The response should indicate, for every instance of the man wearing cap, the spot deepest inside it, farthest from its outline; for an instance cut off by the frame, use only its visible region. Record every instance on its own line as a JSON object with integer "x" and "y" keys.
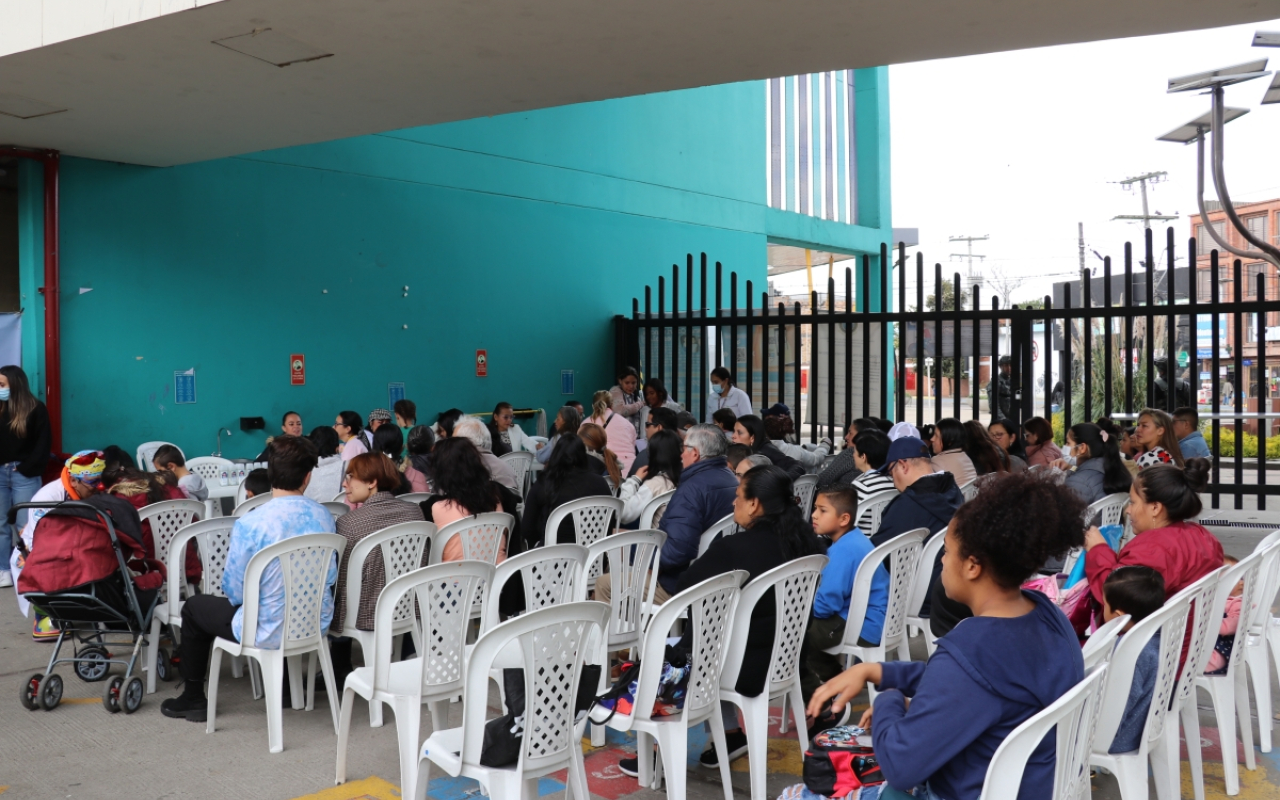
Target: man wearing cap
{"x": 928, "y": 500}
{"x": 1000, "y": 391}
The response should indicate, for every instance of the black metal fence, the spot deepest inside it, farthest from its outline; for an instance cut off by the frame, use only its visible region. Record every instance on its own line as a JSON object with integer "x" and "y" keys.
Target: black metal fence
{"x": 867, "y": 357}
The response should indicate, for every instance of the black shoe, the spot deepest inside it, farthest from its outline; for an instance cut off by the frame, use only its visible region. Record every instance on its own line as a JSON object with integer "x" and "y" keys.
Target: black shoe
{"x": 737, "y": 742}
{"x": 629, "y": 766}
{"x": 182, "y": 707}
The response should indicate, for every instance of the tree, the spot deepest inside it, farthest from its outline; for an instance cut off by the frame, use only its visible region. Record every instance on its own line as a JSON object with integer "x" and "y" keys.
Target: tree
{"x": 1003, "y": 285}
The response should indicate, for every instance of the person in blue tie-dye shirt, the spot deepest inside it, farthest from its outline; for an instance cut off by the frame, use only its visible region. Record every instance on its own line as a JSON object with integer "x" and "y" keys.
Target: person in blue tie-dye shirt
{"x": 205, "y": 617}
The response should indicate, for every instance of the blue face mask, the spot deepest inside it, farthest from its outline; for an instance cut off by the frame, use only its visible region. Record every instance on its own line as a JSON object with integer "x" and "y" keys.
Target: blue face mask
{"x": 4, "y": 394}
{"x": 718, "y": 388}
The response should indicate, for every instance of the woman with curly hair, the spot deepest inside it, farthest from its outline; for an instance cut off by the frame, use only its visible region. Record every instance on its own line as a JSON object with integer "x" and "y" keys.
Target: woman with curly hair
{"x": 1014, "y": 657}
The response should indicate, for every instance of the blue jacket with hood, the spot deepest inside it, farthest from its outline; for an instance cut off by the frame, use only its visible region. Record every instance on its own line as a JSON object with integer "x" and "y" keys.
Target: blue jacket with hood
{"x": 988, "y": 676}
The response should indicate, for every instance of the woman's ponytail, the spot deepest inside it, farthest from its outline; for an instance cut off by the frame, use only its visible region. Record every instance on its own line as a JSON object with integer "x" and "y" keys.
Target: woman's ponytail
{"x": 774, "y": 490}
{"x": 1176, "y": 488}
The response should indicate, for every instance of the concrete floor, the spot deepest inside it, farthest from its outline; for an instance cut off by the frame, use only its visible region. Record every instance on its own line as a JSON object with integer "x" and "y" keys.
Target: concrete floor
{"x": 80, "y": 751}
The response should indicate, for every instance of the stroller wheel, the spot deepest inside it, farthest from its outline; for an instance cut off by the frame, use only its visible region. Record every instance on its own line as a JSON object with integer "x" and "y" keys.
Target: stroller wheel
{"x": 92, "y": 664}
{"x": 164, "y": 664}
{"x": 30, "y": 696}
{"x": 111, "y": 697}
{"x": 50, "y": 692}
{"x": 131, "y": 700}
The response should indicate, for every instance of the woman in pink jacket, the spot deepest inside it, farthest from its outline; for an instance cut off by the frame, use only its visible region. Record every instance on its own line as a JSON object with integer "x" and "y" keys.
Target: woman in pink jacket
{"x": 621, "y": 435}
{"x": 1037, "y": 433}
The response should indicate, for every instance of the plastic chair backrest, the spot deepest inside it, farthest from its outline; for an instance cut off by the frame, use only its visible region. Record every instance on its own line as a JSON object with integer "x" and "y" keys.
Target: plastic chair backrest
{"x": 655, "y": 506}
{"x": 1170, "y": 622}
{"x": 1074, "y": 717}
{"x": 250, "y": 504}
{"x": 924, "y": 571}
{"x": 340, "y": 497}
{"x": 553, "y": 642}
{"x": 724, "y": 526}
{"x": 304, "y": 563}
{"x": 593, "y": 519}
{"x": 805, "y": 486}
{"x": 241, "y": 494}
{"x": 521, "y": 463}
{"x": 213, "y": 537}
{"x": 336, "y": 509}
{"x": 209, "y": 468}
{"x": 167, "y": 518}
{"x": 1109, "y": 510}
{"x": 444, "y": 594}
{"x": 793, "y": 585}
{"x": 903, "y": 554}
{"x": 414, "y": 497}
{"x": 875, "y": 506}
{"x": 1248, "y": 571}
{"x": 1269, "y": 581}
{"x": 402, "y": 547}
{"x": 481, "y": 536}
{"x": 710, "y": 605}
{"x": 1204, "y": 630}
{"x": 633, "y": 557}
{"x": 1099, "y": 646}
{"x": 551, "y": 575}
{"x": 613, "y": 487}
{"x": 970, "y": 490}
{"x": 147, "y": 451}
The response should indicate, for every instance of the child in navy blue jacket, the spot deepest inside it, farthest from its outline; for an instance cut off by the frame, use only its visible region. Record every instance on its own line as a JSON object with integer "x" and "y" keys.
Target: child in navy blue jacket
{"x": 1015, "y": 656}
{"x": 1139, "y": 592}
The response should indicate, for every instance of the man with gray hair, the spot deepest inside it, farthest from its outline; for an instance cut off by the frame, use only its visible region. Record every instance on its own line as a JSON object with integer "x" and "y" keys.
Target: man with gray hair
{"x": 478, "y": 433}
{"x": 704, "y": 497}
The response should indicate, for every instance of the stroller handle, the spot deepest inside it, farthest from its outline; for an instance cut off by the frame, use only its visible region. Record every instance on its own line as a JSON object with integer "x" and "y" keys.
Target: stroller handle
{"x": 14, "y": 509}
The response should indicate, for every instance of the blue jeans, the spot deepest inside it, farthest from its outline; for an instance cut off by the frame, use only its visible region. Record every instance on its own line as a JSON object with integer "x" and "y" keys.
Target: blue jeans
{"x": 14, "y": 488}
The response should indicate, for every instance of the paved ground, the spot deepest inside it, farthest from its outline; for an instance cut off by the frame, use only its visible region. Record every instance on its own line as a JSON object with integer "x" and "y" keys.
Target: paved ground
{"x": 80, "y": 751}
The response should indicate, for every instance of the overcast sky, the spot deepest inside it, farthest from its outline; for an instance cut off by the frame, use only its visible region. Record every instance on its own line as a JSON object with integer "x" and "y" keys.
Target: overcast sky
{"x": 1022, "y": 146}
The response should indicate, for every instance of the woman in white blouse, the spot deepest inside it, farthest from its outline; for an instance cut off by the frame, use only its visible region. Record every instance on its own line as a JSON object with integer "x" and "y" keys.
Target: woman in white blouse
{"x": 662, "y": 474}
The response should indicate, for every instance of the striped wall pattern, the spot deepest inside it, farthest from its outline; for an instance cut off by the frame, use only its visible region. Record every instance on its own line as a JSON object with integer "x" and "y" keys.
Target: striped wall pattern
{"x": 812, "y": 145}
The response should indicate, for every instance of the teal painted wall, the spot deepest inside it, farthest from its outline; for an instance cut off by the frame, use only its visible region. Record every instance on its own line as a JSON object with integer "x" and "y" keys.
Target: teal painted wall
{"x": 522, "y": 235}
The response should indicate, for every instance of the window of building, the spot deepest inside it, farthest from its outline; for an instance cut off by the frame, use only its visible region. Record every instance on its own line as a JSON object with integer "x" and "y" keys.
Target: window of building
{"x": 1204, "y": 286}
{"x": 1250, "y": 323}
{"x": 1257, "y": 226}
{"x": 1205, "y": 243}
{"x": 1251, "y": 273}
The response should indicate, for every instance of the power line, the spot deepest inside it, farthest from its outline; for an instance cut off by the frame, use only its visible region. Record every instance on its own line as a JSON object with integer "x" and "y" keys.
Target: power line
{"x": 972, "y": 277}
{"x": 1142, "y": 180}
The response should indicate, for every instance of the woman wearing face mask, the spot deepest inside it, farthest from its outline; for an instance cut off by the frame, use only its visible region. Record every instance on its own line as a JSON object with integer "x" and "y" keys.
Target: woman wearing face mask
{"x": 24, "y": 451}
{"x": 726, "y": 394}
{"x": 1099, "y": 470}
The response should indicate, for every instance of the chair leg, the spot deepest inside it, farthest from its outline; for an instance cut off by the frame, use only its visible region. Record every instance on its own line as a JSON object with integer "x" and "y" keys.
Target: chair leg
{"x": 673, "y": 754}
{"x": 1131, "y": 775}
{"x": 439, "y": 714}
{"x": 782, "y": 717}
{"x": 797, "y": 708}
{"x": 344, "y": 732}
{"x": 1189, "y": 716}
{"x": 273, "y": 669}
{"x": 408, "y": 723}
{"x": 1164, "y": 762}
{"x": 1241, "y": 690}
{"x": 215, "y": 663}
{"x": 330, "y": 689}
{"x": 311, "y": 680}
{"x": 420, "y": 784}
{"x": 1224, "y": 708}
{"x": 1258, "y": 660}
{"x": 576, "y": 779}
{"x": 680, "y": 758}
{"x": 293, "y": 667}
{"x": 755, "y": 722}
{"x": 237, "y": 667}
{"x": 644, "y": 759}
{"x": 153, "y": 646}
{"x": 255, "y": 678}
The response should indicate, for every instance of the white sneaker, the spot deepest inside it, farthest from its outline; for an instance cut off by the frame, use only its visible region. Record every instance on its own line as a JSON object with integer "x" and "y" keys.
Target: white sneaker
{"x": 6, "y": 580}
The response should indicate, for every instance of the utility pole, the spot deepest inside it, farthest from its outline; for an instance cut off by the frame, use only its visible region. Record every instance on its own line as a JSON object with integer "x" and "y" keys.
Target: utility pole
{"x": 972, "y": 277}
{"x": 1142, "y": 181}
{"x": 1080, "y": 228}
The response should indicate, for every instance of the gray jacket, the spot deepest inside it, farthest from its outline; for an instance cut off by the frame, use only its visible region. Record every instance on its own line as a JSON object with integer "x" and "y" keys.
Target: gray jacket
{"x": 1086, "y": 481}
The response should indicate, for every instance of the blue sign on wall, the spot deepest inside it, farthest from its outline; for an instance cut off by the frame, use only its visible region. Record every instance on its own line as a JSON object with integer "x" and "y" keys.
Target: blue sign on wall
{"x": 184, "y": 387}
{"x": 395, "y": 391}
{"x": 566, "y": 381}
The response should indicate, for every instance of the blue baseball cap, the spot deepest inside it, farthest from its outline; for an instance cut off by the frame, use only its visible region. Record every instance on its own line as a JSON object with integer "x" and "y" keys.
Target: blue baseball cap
{"x": 904, "y": 448}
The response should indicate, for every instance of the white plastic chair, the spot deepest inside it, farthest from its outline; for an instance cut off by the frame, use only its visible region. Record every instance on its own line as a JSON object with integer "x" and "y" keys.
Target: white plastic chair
{"x": 551, "y": 576}
{"x": 649, "y": 515}
{"x": 304, "y": 563}
{"x": 613, "y": 487}
{"x": 212, "y": 537}
{"x": 210, "y": 468}
{"x": 1229, "y": 693}
{"x": 633, "y": 572}
{"x": 401, "y": 548}
{"x": 805, "y": 486}
{"x": 414, "y": 497}
{"x": 1264, "y": 630}
{"x": 242, "y": 494}
{"x": 970, "y": 490}
{"x": 336, "y": 509}
{"x": 920, "y": 591}
{"x": 340, "y": 497}
{"x": 552, "y": 642}
{"x": 146, "y": 452}
{"x": 521, "y": 463}
{"x": 1108, "y": 511}
{"x": 1073, "y": 717}
{"x": 1130, "y": 768}
{"x": 167, "y": 518}
{"x": 593, "y": 519}
{"x": 1100, "y": 644}
{"x": 873, "y": 509}
{"x": 793, "y": 585}
{"x": 250, "y": 504}
{"x": 445, "y": 594}
{"x": 1203, "y": 623}
{"x": 481, "y": 537}
{"x": 724, "y": 527}
{"x": 710, "y": 606}
{"x": 903, "y": 554}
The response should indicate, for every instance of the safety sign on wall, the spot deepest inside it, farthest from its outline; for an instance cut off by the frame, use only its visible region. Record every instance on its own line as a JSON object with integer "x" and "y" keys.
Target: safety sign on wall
{"x": 184, "y": 387}
{"x": 482, "y": 364}
{"x": 297, "y": 369}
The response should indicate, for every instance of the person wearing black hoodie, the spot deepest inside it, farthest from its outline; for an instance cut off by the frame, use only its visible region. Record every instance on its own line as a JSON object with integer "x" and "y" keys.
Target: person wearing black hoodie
{"x": 1011, "y": 660}
{"x": 928, "y": 500}
{"x": 750, "y": 430}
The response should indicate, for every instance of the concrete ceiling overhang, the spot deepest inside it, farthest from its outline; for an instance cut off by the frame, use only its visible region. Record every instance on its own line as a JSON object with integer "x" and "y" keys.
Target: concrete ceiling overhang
{"x": 159, "y": 92}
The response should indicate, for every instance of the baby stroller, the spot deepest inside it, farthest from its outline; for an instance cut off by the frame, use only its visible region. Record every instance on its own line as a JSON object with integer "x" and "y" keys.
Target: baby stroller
{"x": 78, "y": 572}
